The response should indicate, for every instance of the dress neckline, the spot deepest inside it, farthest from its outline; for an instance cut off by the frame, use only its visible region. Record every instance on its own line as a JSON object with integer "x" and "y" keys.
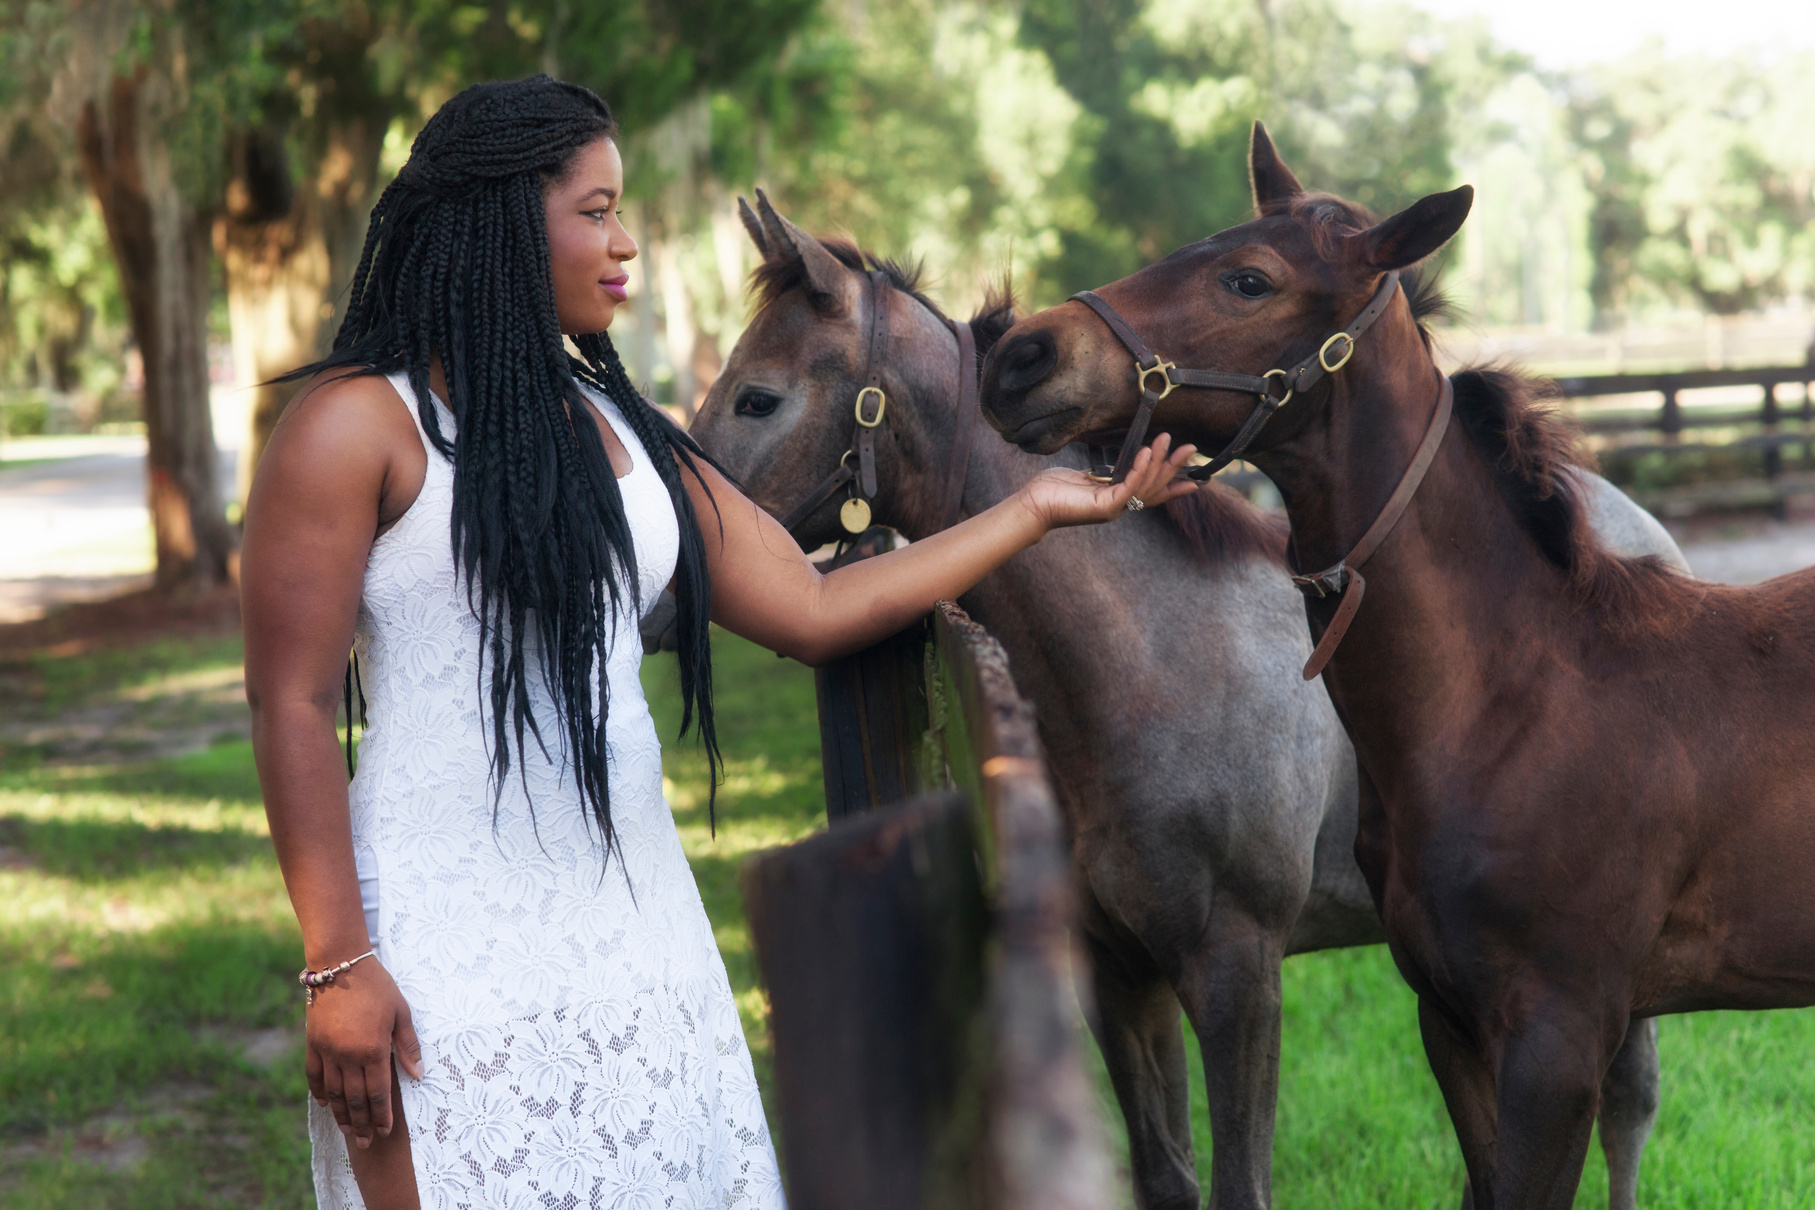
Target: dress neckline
{"x": 636, "y": 464}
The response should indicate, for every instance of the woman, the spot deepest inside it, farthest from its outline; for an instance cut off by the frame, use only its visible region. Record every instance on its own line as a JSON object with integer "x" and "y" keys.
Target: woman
{"x": 500, "y": 896}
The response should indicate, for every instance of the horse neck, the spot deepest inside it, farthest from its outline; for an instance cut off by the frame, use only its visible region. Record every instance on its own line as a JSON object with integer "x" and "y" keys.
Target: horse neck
{"x": 1456, "y": 590}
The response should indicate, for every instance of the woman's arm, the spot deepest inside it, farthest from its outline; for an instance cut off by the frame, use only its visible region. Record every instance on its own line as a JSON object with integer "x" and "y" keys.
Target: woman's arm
{"x": 764, "y": 589}
{"x": 316, "y": 504}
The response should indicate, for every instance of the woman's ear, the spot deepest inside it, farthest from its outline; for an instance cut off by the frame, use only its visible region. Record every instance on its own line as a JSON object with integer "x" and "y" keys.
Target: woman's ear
{"x": 1415, "y": 232}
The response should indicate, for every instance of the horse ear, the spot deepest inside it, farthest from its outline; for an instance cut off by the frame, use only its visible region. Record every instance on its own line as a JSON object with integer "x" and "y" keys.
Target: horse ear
{"x": 1267, "y": 173}
{"x": 825, "y": 274}
{"x": 753, "y": 225}
{"x": 1415, "y": 232}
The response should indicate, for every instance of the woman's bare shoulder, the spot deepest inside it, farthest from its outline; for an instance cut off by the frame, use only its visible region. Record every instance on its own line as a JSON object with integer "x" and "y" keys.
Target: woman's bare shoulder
{"x": 347, "y": 403}
{"x": 345, "y": 430}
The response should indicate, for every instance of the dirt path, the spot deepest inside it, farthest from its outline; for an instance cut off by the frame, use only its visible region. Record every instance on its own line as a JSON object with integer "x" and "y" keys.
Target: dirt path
{"x": 73, "y": 522}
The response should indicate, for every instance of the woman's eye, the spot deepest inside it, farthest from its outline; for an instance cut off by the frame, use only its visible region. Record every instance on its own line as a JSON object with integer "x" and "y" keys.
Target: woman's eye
{"x": 1249, "y": 285}
{"x": 757, "y": 403}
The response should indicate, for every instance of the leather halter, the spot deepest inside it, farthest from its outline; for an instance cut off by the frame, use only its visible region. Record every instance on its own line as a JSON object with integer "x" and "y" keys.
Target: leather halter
{"x": 1344, "y": 576}
{"x": 1300, "y": 378}
{"x": 863, "y": 440}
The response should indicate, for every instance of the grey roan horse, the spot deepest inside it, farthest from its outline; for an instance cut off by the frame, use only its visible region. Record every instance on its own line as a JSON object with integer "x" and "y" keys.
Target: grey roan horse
{"x": 1210, "y": 792}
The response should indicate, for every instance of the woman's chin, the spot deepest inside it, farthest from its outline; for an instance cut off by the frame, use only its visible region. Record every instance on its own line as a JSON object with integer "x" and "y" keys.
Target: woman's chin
{"x": 595, "y": 320}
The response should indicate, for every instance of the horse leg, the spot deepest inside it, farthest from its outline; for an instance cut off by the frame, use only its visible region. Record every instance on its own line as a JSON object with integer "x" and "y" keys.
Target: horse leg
{"x": 1466, "y": 1080}
{"x": 1549, "y": 1087}
{"x": 1629, "y": 1101}
{"x": 1230, "y": 990}
{"x": 1137, "y": 1027}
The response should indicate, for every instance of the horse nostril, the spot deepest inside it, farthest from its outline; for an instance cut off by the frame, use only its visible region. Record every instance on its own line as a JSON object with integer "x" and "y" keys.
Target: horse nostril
{"x": 1026, "y": 361}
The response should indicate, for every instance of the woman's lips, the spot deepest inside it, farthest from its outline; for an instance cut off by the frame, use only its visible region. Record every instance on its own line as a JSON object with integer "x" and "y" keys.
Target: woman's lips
{"x": 618, "y": 287}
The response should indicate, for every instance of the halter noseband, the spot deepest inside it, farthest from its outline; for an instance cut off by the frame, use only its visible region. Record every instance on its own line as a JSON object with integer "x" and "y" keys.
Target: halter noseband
{"x": 870, "y": 407}
{"x": 1287, "y": 383}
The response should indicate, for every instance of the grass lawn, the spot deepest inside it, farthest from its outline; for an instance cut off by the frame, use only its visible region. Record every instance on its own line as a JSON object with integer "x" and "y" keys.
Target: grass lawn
{"x": 149, "y": 1019}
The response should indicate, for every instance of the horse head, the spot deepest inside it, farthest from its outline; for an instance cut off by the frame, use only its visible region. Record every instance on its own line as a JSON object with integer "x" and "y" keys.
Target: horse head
{"x": 1252, "y": 299}
{"x": 781, "y": 416}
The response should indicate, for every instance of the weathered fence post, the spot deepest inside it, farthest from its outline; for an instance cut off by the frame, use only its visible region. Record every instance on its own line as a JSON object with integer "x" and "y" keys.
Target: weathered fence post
{"x": 871, "y": 937}
{"x": 920, "y": 969}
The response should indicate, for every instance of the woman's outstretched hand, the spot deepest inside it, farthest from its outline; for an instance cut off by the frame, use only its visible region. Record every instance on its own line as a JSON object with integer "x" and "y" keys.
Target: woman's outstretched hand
{"x": 1061, "y": 496}
{"x": 352, "y": 1028}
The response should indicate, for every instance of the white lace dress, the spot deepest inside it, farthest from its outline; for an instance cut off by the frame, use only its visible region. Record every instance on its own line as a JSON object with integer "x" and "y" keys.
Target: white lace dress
{"x": 581, "y": 1047}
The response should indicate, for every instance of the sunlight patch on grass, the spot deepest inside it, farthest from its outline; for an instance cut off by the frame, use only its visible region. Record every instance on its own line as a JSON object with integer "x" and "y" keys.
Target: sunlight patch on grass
{"x": 43, "y": 914}
{"x": 224, "y": 681}
{"x": 150, "y": 811}
{"x": 112, "y": 674}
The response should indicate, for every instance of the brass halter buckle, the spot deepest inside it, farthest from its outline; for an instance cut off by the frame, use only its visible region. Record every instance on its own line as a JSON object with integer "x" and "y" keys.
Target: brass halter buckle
{"x": 1323, "y": 354}
{"x": 1164, "y": 370}
{"x": 882, "y": 403}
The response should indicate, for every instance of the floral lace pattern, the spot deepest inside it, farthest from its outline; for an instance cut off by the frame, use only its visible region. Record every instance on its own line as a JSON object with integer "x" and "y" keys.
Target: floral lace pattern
{"x": 581, "y": 1047}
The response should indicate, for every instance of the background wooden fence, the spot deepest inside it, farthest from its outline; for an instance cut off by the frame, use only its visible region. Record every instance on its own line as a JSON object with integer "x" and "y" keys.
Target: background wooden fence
{"x": 1678, "y": 434}
{"x": 918, "y": 954}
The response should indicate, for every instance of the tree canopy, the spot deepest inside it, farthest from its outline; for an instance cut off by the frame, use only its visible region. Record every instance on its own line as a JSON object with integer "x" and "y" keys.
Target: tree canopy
{"x": 1063, "y": 142}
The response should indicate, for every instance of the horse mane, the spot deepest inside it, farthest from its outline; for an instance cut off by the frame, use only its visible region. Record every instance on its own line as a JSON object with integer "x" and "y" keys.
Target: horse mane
{"x": 1220, "y": 525}
{"x": 1515, "y": 423}
{"x": 994, "y": 318}
{"x": 776, "y": 276}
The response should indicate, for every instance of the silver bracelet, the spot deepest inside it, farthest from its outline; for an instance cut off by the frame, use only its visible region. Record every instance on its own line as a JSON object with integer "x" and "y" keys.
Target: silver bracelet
{"x": 311, "y": 980}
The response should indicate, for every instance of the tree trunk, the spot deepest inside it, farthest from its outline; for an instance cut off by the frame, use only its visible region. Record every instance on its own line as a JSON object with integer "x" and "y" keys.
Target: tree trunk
{"x": 290, "y": 247}
{"x": 161, "y": 245}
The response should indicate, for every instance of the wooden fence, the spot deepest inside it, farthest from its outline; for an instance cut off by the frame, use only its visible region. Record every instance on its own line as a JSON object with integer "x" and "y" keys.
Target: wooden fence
{"x": 1768, "y": 426}
{"x": 918, "y": 954}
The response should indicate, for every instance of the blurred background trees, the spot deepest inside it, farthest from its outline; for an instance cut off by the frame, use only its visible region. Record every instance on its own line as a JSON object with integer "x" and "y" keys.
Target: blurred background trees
{"x": 181, "y": 174}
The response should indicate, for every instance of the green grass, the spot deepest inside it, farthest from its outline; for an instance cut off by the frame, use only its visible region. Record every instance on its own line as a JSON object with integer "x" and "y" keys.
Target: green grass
{"x": 144, "y": 930}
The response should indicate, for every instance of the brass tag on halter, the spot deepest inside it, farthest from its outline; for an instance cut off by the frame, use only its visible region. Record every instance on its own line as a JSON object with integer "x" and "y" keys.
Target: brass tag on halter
{"x": 854, "y": 515}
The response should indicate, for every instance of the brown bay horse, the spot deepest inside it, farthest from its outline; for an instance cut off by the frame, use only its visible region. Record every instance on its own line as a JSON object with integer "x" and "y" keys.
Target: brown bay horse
{"x": 1587, "y": 781}
{"x": 1208, "y": 790}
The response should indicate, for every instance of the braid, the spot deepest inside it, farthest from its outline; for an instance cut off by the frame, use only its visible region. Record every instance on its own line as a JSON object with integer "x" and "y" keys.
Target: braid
{"x": 456, "y": 265}
{"x": 671, "y": 449}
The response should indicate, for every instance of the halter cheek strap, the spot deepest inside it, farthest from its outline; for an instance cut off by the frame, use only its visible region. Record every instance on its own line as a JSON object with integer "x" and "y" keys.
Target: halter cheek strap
{"x": 871, "y": 405}
{"x": 1344, "y": 576}
{"x": 1158, "y": 378}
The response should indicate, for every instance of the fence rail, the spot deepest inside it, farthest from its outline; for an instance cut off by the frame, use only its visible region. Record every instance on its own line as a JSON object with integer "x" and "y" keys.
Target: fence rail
{"x": 1769, "y": 427}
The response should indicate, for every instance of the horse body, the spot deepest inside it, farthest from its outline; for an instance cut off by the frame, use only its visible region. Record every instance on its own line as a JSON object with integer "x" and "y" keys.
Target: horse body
{"x": 1208, "y": 791}
{"x": 1586, "y": 791}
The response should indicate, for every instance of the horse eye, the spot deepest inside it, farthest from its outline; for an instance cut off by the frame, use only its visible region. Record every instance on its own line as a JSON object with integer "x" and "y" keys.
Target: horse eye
{"x": 1248, "y": 285}
{"x": 757, "y": 403}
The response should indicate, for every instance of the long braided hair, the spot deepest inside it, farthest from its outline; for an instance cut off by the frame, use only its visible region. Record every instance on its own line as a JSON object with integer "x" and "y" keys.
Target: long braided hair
{"x": 456, "y": 264}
